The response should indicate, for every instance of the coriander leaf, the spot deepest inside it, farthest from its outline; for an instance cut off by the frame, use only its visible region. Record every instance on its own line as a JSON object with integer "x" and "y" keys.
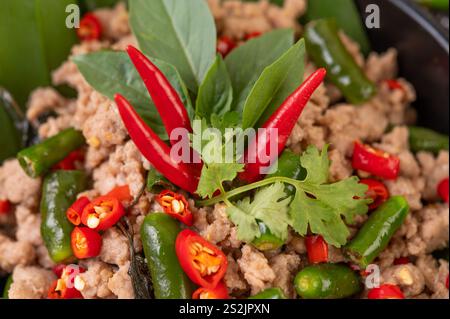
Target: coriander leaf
{"x": 269, "y": 205}
{"x": 247, "y": 227}
{"x": 321, "y": 206}
{"x": 228, "y": 120}
{"x": 214, "y": 175}
{"x": 215, "y": 93}
{"x": 182, "y": 33}
{"x": 275, "y": 84}
{"x": 246, "y": 63}
{"x": 316, "y": 165}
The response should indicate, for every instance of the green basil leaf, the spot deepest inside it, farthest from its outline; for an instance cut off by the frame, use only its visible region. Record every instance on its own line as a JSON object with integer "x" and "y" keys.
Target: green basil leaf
{"x": 35, "y": 41}
{"x": 182, "y": 33}
{"x": 11, "y": 125}
{"x": 346, "y": 15}
{"x": 246, "y": 63}
{"x": 274, "y": 85}
{"x": 113, "y": 72}
{"x": 215, "y": 94}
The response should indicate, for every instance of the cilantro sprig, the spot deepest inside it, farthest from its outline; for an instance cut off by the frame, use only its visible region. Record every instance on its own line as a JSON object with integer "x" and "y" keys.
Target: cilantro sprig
{"x": 317, "y": 206}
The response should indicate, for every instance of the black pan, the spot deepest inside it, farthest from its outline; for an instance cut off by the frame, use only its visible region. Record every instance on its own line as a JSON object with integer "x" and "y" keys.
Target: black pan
{"x": 423, "y": 55}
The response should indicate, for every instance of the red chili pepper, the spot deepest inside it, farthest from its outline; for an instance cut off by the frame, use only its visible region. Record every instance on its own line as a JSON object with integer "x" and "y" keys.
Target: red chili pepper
{"x": 401, "y": 261}
{"x": 122, "y": 193}
{"x": 386, "y": 291}
{"x": 283, "y": 119}
{"x": 375, "y": 162}
{"x": 219, "y": 292}
{"x": 176, "y": 206}
{"x": 377, "y": 191}
{"x": 86, "y": 243}
{"x": 103, "y": 213}
{"x": 317, "y": 249}
{"x": 58, "y": 270}
{"x": 155, "y": 150}
{"x": 252, "y": 35}
{"x": 75, "y": 211}
{"x": 394, "y": 85}
{"x": 5, "y": 207}
{"x": 166, "y": 99}
{"x": 443, "y": 190}
{"x": 225, "y": 45}
{"x": 203, "y": 262}
{"x": 69, "y": 163}
{"x": 90, "y": 28}
{"x": 63, "y": 288}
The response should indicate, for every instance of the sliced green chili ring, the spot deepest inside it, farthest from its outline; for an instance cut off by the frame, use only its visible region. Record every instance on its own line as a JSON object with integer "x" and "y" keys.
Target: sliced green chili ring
{"x": 8, "y": 284}
{"x": 288, "y": 165}
{"x": 327, "y": 50}
{"x": 377, "y": 231}
{"x": 59, "y": 191}
{"x": 158, "y": 233}
{"x": 424, "y": 139}
{"x": 267, "y": 240}
{"x": 270, "y": 293}
{"x": 327, "y": 281}
{"x": 40, "y": 158}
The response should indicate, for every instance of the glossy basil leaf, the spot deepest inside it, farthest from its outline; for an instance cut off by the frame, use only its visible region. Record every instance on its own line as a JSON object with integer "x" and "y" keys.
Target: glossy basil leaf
{"x": 11, "y": 124}
{"x": 346, "y": 15}
{"x": 275, "y": 84}
{"x": 215, "y": 93}
{"x": 246, "y": 63}
{"x": 183, "y": 33}
{"x": 35, "y": 41}
{"x": 113, "y": 72}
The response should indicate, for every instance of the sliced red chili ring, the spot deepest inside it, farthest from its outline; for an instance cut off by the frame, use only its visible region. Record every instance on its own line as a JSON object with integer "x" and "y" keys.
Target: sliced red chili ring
{"x": 69, "y": 163}
{"x": 225, "y": 45}
{"x": 204, "y": 263}
{"x": 386, "y": 291}
{"x": 63, "y": 288}
{"x": 375, "y": 162}
{"x": 85, "y": 242}
{"x": 103, "y": 213}
{"x": 443, "y": 190}
{"x": 252, "y": 35}
{"x": 377, "y": 191}
{"x": 402, "y": 261}
{"x": 5, "y": 207}
{"x": 74, "y": 212}
{"x": 394, "y": 85}
{"x": 122, "y": 193}
{"x": 90, "y": 28}
{"x": 317, "y": 249}
{"x": 219, "y": 292}
{"x": 176, "y": 206}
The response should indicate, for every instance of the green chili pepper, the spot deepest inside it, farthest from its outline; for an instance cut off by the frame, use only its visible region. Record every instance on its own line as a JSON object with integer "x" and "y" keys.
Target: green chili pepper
{"x": 327, "y": 50}
{"x": 11, "y": 124}
{"x": 8, "y": 284}
{"x": 270, "y": 293}
{"x": 435, "y": 4}
{"x": 327, "y": 281}
{"x": 424, "y": 139}
{"x": 59, "y": 191}
{"x": 288, "y": 165}
{"x": 40, "y": 158}
{"x": 267, "y": 240}
{"x": 156, "y": 182}
{"x": 346, "y": 15}
{"x": 158, "y": 233}
{"x": 377, "y": 231}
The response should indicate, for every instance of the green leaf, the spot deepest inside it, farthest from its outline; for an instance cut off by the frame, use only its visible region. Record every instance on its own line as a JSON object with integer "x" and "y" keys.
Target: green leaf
{"x": 321, "y": 206}
{"x": 11, "y": 119}
{"x": 269, "y": 205}
{"x": 214, "y": 175}
{"x": 246, "y": 63}
{"x": 316, "y": 165}
{"x": 247, "y": 227}
{"x": 346, "y": 15}
{"x": 275, "y": 84}
{"x": 35, "y": 41}
{"x": 215, "y": 93}
{"x": 227, "y": 121}
{"x": 182, "y": 33}
{"x": 112, "y": 72}
{"x": 156, "y": 181}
